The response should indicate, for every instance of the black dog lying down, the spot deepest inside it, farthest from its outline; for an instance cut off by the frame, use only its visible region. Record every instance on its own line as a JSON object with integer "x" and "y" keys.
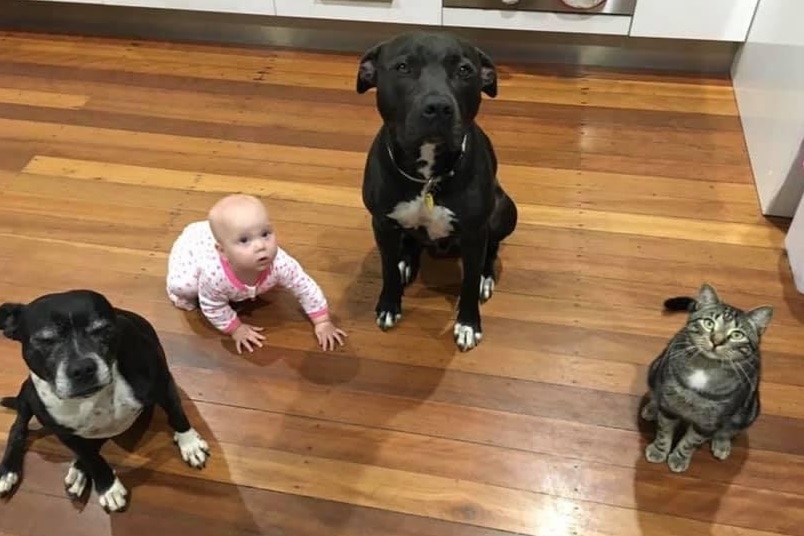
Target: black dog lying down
{"x": 93, "y": 370}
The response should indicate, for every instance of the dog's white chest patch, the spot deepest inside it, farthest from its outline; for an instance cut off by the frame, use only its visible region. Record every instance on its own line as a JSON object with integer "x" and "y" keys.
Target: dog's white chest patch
{"x": 427, "y": 157}
{"x": 698, "y": 379}
{"x": 415, "y": 213}
{"x": 108, "y": 413}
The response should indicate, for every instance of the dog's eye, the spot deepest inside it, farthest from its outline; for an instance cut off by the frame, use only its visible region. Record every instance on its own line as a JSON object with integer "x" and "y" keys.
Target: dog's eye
{"x": 45, "y": 339}
{"x": 402, "y": 67}
{"x": 464, "y": 70}
{"x": 99, "y": 329}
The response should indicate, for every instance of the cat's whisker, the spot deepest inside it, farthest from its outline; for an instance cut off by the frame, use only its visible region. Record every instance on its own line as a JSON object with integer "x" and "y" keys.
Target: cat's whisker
{"x": 741, "y": 369}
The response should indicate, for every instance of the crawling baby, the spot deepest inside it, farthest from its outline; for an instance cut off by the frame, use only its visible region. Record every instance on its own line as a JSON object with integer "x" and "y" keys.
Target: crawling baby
{"x": 233, "y": 256}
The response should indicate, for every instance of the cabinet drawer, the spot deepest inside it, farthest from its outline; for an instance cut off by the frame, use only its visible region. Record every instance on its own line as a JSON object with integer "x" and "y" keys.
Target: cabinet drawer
{"x": 249, "y": 7}
{"x": 400, "y": 11}
{"x": 539, "y": 21}
{"x": 714, "y": 20}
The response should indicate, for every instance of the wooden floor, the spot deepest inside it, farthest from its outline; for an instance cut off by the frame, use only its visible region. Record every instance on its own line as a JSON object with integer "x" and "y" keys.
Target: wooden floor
{"x": 631, "y": 188}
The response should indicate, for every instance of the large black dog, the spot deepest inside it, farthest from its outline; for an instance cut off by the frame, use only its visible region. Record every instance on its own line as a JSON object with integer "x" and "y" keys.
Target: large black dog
{"x": 93, "y": 370}
{"x": 431, "y": 174}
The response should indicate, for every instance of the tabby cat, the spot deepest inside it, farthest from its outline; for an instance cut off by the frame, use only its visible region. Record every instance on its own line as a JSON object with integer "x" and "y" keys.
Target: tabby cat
{"x": 706, "y": 378}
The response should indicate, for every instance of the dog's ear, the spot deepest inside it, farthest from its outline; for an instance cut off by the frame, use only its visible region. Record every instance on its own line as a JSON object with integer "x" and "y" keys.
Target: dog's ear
{"x": 10, "y": 314}
{"x": 488, "y": 74}
{"x": 367, "y": 71}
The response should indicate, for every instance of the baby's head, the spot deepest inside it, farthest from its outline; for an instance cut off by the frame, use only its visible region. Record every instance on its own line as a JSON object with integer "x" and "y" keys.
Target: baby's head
{"x": 243, "y": 232}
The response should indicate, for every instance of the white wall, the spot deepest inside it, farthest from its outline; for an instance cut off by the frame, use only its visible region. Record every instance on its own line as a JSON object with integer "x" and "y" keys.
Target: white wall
{"x": 769, "y": 86}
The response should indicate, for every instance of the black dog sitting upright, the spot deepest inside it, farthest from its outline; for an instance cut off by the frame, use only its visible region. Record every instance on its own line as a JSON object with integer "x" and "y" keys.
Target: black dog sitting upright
{"x": 93, "y": 370}
{"x": 431, "y": 174}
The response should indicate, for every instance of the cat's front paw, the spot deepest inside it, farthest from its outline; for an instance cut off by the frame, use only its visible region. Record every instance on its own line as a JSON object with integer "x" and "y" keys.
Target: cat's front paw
{"x": 677, "y": 462}
{"x": 655, "y": 454}
{"x": 721, "y": 448}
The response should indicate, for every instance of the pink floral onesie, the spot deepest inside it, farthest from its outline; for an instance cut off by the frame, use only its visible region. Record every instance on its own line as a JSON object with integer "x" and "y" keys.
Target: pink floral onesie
{"x": 197, "y": 273}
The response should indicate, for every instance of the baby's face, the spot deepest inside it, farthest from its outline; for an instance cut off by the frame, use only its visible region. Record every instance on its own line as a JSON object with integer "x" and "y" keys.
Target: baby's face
{"x": 247, "y": 239}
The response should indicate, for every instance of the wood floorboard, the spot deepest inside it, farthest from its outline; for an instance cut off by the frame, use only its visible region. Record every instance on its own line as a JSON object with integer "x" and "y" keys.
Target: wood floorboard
{"x": 632, "y": 187}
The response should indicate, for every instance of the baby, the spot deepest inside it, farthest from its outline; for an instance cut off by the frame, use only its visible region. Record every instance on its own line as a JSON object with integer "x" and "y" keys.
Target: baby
{"x": 233, "y": 256}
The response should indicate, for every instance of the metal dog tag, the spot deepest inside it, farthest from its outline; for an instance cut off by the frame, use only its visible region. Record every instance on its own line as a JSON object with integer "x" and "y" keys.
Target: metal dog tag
{"x": 428, "y": 199}
{"x": 428, "y": 196}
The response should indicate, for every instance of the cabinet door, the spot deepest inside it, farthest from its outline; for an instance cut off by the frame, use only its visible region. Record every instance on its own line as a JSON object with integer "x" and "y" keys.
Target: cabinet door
{"x": 714, "y": 20}
{"x": 401, "y": 11}
{"x": 251, "y": 7}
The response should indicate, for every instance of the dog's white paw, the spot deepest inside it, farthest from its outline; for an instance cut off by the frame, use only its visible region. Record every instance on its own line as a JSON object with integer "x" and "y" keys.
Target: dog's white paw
{"x": 75, "y": 481}
{"x": 114, "y": 498}
{"x": 404, "y": 272}
{"x": 466, "y": 337}
{"x": 387, "y": 320}
{"x": 194, "y": 450}
{"x": 486, "y": 288}
{"x": 7, "y": 482}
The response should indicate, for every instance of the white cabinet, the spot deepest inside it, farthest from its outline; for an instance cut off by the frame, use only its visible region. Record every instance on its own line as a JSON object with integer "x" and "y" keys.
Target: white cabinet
{"x": 715, "y": 20}
{"x": 427, "y": 12}
{"x": 794, "y": 244}
{"x": 540, "y": 21}
{"x": 249, "y": 7}
{"x": 768, "y": 78}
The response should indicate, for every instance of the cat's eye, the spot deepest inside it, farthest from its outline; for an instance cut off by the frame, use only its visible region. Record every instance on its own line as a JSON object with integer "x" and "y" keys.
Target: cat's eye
{"x": 708, "y": 323}
{"x": 737, "y": 335}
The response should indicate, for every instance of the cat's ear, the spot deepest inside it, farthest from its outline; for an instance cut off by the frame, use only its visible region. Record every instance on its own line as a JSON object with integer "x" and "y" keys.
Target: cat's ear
{"x": 707, "y": 295}
{"x": 760, "y": 317}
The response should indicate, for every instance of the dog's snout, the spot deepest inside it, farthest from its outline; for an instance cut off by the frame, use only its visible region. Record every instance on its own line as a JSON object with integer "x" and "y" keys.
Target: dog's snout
{"x": 82, "y": 370}
{"x": 437, "y": 107}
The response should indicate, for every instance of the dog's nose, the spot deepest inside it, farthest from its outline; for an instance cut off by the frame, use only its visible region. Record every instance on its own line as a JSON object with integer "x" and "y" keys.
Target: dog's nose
{"x": 82, "y": 370}
{"x": 437, "y": 107}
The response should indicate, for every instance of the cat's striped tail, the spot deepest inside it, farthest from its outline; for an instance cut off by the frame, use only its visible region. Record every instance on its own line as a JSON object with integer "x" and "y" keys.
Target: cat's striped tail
{"x": 679, "y": 303}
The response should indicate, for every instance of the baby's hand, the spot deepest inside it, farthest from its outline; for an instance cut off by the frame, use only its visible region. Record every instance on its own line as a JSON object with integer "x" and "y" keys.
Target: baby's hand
{"x": 247, "y": 335}
{"x": 328, "y": 334}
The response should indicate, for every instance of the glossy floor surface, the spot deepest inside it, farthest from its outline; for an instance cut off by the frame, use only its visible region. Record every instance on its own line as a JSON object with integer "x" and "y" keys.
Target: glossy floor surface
{"x": 631, "y": 188}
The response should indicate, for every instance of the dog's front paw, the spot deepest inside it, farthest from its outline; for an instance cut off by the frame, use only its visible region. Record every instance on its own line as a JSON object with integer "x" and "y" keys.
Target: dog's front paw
{"x": 114, "y": 498}
{"x": 388, "y": 319}
{"x": 466, "y": 336}
{"x": 8, "y": 480}
{"x": 388, "y": 313}
{"x": 486, "y": 288}
{"x": 75, "y": 482}
{"x": 194, "y": 450}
